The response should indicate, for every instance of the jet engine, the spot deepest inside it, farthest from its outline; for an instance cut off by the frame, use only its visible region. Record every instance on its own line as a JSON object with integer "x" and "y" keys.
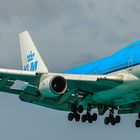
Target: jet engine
{"x": 53, "y": 86}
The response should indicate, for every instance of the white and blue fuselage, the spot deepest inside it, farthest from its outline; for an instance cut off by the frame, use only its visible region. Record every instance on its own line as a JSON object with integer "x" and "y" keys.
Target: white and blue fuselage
{"x": 127, "y": 58}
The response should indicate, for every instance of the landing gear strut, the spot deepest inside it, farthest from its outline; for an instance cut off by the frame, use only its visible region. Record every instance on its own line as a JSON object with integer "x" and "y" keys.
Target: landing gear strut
{"x": 80, "y": 109}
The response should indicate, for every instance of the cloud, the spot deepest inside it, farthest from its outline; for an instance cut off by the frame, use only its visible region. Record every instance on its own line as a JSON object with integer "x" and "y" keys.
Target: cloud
{"x": 75, "y": 28}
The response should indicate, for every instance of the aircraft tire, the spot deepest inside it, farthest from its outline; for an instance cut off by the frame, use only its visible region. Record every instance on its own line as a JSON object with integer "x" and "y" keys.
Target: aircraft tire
{"x": 111, "y": 118}
{"x": 90, "y": 119}
{"x": 70, "y": 116}
{"x": 106, "y": 120}
{"x": 113, "y": 122}
{"x": 94, "y": 115}
{"x": 117, "y": 119}
{"x": 137, "y": 124}
{"x": 83, "y": 118}
{"x": 87, "y": 116}
{"x": 77, "y": 117}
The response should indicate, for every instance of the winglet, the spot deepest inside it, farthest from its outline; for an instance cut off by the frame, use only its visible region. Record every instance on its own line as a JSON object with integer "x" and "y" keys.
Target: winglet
{"x": 31, "y": 59}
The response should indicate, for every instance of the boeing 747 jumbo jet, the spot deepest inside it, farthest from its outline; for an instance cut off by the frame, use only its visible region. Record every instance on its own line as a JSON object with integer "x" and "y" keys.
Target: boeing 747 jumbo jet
{"x": 110, "y": 84}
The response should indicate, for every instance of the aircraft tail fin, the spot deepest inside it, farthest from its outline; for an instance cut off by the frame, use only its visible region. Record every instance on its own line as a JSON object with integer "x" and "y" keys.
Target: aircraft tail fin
{"x": 31, "y": 59}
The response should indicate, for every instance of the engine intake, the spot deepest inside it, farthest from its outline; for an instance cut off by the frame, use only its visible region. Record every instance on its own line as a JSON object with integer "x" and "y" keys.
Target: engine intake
{"x": 58, "y": 84}
{"x": 52, "y": 86}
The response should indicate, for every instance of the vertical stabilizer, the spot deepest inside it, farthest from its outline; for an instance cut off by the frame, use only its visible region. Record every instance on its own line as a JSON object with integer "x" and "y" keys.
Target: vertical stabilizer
{"x": 31, "y": 59}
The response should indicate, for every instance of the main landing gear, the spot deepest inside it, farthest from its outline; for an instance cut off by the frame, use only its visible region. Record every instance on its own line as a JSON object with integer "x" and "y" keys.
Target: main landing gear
{"x": 76, "y": 111}
{"x": 89, "y": 117}
{"x": 111, "y": 119}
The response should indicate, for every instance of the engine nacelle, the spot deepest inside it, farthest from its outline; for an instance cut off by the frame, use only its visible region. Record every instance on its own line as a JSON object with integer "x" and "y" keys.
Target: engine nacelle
{"x": 53, "y": 86}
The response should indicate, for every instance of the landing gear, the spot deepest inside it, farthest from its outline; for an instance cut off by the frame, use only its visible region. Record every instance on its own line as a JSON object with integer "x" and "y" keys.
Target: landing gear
{"x": 73, "y": 108}
{"x": 111, "y": 119}
{"x": 89, "y": 117}
{"x": 106, "y": 120}
{"x": 70, "y": 116}
{"x": 137, "y": 123}
{"x": 83, "y": 118}
{"x": 77, "y": 110}
{"x": 74, "y": 113}
{"x": 117, "y": 119}
{"x": 80, "y": 109}
{"x": 77, "y": 117}
{"x": 94, "y": 115}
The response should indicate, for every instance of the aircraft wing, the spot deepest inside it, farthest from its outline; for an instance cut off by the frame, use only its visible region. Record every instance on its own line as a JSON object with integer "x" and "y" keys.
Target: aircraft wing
{"x": 8, "y": 75}
{"x": 8, "y": 78}
{"x": 84, "y": 84}
{"x": 92, "y": 83}
{"x": 79, "y": 87}
{"x": 87, "y": 83}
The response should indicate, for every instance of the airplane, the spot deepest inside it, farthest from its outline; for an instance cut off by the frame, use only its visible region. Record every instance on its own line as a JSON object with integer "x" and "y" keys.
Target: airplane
{"x": 110, "y": 84}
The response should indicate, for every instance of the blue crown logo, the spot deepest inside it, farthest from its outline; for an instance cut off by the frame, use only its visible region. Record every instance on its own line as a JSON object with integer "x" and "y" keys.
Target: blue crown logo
{"x": 30, "y": 56}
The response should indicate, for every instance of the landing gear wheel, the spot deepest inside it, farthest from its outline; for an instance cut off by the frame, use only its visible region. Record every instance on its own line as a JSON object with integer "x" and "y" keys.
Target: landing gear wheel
{"x": 77, "y": 117}
{"x": 80, "y": 109}
{"x": 111, "y": 118}
{"x": 73, "y": 108}
{"x": 90, "y": 119}
{"x": 87, "y": 116}
{"x": 137, "y": 124}
{"x": 113, "y": 122}
{"x": 117, "y": 119}
{"x": 83, "y": 119}
{"x": 70, "y": 116}
{"x": 94, "y": 116}
{"x": 106, "y": 120}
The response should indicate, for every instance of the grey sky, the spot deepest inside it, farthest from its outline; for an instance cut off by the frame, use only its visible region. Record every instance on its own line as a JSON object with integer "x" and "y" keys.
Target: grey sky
{"x": 67, "y": 33}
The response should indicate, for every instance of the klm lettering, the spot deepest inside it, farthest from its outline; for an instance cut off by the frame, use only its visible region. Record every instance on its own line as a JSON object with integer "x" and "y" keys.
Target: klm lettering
{"x": 32, "y": 66}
